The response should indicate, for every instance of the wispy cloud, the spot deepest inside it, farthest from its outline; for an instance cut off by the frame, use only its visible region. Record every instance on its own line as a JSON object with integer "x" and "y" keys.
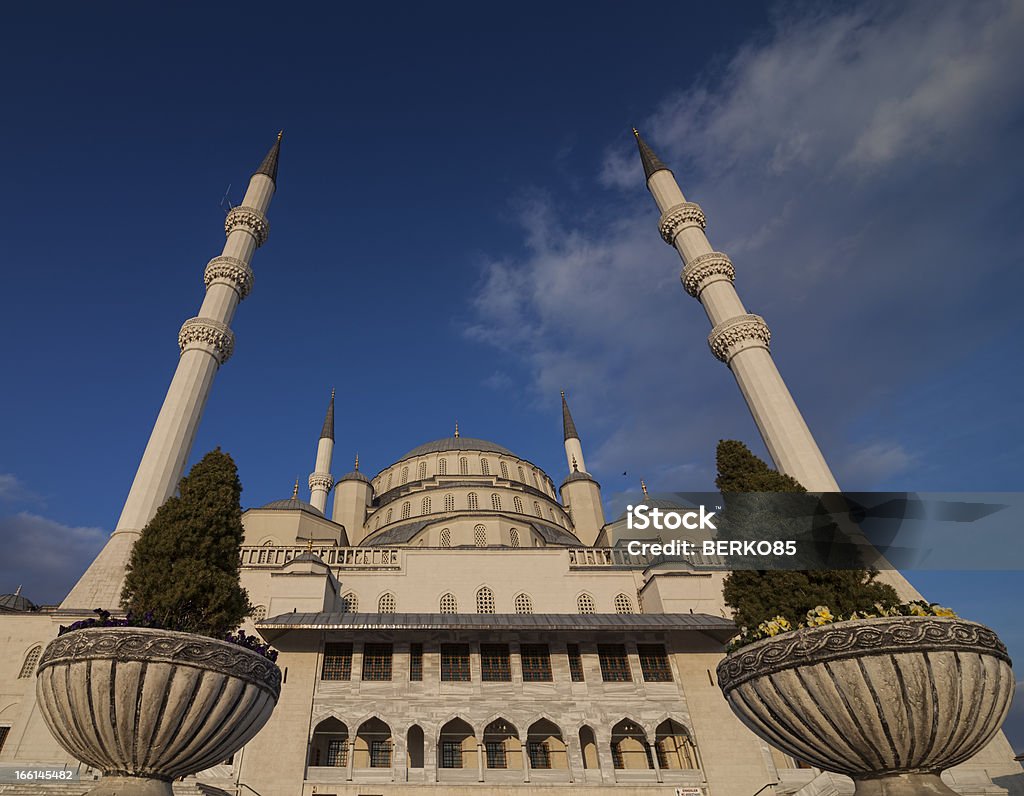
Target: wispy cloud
{"x": 832, "y": 158}
{"x": 14, "y": 490}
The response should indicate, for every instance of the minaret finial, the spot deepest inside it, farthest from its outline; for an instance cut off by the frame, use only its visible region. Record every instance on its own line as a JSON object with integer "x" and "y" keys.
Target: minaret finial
{"x": 456, "y": 429}
{"x": 17, "y": 592}
{"x": 269, "y": 164}
{"x": 643, "y": 486}
{"x": 328, "y": 429}
{"x": 575, "y": 465}
{"x": 652, "y": 162}
{"x": 357, "y": 462}
{"x": 295, "y": 491}
{"x": 568, "y": 427}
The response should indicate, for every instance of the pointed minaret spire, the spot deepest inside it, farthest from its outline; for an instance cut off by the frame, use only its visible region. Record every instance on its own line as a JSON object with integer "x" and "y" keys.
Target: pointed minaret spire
{"x": 568, "y": 427}
{"x": 295, "y": 491}
{"x": 652, "y": 162}
{"x": 328, "y": 429}
{"x": 643, "y": 487}
{"x": 456, "y": 429}
{"x": 321, "y": 480}
{"x": 356, "y": 468}
{"x": 269, "y": 164}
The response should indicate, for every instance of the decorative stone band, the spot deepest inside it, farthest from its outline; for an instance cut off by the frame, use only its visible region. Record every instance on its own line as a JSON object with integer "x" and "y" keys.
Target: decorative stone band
{"x": 322, "y": 481}
{"x": 147, "y": 645}
{"x": 209, "y": 335}
{"x": 677, "y": 218}
{"x": 730, "y": 337}
{"x": 845, "y": 640}
{"x": 231, "y": 271}
{"x": 251, "y": 219}
{"x": 702, "y": 271}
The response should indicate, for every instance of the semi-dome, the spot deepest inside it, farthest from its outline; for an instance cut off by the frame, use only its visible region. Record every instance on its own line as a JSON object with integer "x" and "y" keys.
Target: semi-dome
{"x": 458, "y": 444}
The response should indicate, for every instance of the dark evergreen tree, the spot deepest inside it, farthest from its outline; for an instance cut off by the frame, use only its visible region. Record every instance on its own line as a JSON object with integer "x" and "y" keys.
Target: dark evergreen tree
{"x": 184, "y": 568}
{"x": 759, "y": 595}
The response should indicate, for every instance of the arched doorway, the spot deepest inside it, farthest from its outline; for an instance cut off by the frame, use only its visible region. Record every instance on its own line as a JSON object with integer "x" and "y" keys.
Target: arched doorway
{"x": 414, "y": 746}
{"x": 329, "y": 746}
{"x": 588, "y": 748}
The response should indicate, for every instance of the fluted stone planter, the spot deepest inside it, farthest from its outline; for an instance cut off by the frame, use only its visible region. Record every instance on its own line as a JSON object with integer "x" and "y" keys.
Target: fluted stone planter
{"x": 148, "y": 706}
{"x": 889, "y": 702}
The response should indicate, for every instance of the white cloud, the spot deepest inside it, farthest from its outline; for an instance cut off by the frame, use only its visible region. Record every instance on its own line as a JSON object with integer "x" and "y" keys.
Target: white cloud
{"x": 849, "y": 165}
{"x": 44, "y": 556}
{"x": 13, "y": 490}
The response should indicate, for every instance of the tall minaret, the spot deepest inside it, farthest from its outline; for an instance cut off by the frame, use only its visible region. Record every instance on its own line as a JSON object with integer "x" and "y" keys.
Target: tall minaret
{"x": 581, "y": 494}
{"x": 206, "y": 343}
{"x": 737, "y": 338}
{"x": 321, "y": 480}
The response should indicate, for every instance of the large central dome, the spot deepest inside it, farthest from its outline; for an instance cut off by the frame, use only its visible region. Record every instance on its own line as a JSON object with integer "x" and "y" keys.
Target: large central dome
{"x": 458, "y": 444}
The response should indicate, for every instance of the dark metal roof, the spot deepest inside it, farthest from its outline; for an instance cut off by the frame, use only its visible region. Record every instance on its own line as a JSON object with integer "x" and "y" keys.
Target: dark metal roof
{"x": 652, "y": 162}
{"x": 355, "y": 475}
{"x": 292, "y": 504}
{"x": 400, "y": 534}
{"x": 15, "y": 602}
{"x": 458, "y": 444}
{"x": 568, "y": 427}
{"x": 578, "y": 476}
{"x": 328, "y": 430}
{"x": 554, "y": 535}
{"x": 718, "y": 626}
{"x": 269, "y": 164}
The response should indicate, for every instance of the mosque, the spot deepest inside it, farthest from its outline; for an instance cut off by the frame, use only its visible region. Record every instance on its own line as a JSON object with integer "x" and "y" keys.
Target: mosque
{"x": 457, "y": 623}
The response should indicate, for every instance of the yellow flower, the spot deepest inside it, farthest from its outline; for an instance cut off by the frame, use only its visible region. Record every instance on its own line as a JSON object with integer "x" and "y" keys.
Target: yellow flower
{"x": 918, "y": 610}
{"x": 939, "y": 610}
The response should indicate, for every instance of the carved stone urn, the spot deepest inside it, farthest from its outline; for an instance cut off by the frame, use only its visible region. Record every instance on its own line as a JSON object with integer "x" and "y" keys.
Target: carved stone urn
{"x": 890, "y": 702}
{"x": 148, "y": 706}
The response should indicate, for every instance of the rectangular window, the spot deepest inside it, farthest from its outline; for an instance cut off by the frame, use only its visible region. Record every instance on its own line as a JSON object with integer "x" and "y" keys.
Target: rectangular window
{"x": 337, "y": 752}
{"x": 337, "y": 662}
{"x": 575, "y": 663}
{"x": 376, "y": 661}
{"x": 617, "y": 761}
{"x": 496, "y": 754}
{"x": 415, "y": 661}
{"x": 540, "y": 757}
{"x": 495, "y": 665}
{"x": 536, "y": 661}
{"x": 380, "y": 754}
{"x": 614, "y": 663}
{"x": 451, "y": 754}
{"x": 455, "y": 662}
{"x": 654, "y": 663}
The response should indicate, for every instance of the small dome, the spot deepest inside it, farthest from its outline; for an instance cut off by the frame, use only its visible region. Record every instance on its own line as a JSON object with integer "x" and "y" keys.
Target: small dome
{"x": 665, "y": 504}
{"x": 577, "y": 476}
{"x": 355, "y": 475}
{"x": 292, "y": 504}
{"x": 458, "y": 444}
{"x": 15, "y": 602}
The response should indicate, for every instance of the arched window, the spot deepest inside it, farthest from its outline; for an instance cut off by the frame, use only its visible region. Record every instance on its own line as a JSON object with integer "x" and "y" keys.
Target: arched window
{"x": 406, "y": 510}
{"x": 405, "y": 475}
{"x": 522, "y": 475}
{"x": 386, "y": 604}
{"x": 446, "y": 537}
{"x": 674, "y": 747}
{"x": 349, "y": 603}
{"x": 496, "y": 502}
{"x": 504, "y": 469}
{"x": 387, "y": 519}
{"x": 485, "y": 467}
{"x": 517, "y": 503}
{"x": 551, "y": 513}
{"x": 523, "y": 604}
{"x": 259, "y": 613}
{"x": 425, "y": 506}
{"x": 514, "y": 536}
{"x": 442, "y": 467}
{"x": 464, "y": 466}
{"x": 376, "y": 522}
{"x": 629, "y": 746}
{"x": 535, "y": 480}
{"x": 449, "y": 605}
{"x": 28, "y": 668}
{"x": 473, "y": 502}
{"x": 449, "y": 502}
{"x": 423, "y": 470}
{"x": 623, "y": 605}
{"x": 536, "y": 509}
{"x": 484, "y": 601}
{"x": 585, "y": 603}
{"x": 391, "y": 477}
{"x": 480, "y": 536}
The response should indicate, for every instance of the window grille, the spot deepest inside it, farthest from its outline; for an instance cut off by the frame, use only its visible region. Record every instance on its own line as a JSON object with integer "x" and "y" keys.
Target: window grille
{"x": 485, "y": 467}
{"x": 405, "y": 475}
{"x": 391, "y": 477}
{"x": 484, "y": 601}
{"x": 496, "y": 754}
{"x": 536, "y": 509}
{"x": 585, "y": 603}
{"x": 575, "y": 662}
{"x": 617, "y": 761}
{"x": 517, "y": 504}
{"x": 350, "y": 604}
{"x": 523, "y": 604}
{"x": 377, "y": 662}
{"x": 514, "y": 536}
{"x": 449, "y": 605}
{"x": 380, "y": 754}
{"x": 473, "y": 501}
{"x": 536, "y": 663}
{"x": 540, "y": 755}
{"x": 406, "y": 510}
{"x": 464, "y": 466}
{"x": 423, "y": 470}
{"x": 259, "y": 613}
{"x": 480, "y": 536}
{"x": 337, "y": 662}
{"x": 337, "y": 752}
{"x": 496, "y": 502}
{"x": 425, "y": 506}
{"x": 614, "y": 663}
{"x": 416, "y": 662}
{"x": 387, "y": 519}
{"x": 449, "y": 502}
{"x": 446, "y": 537}
{"x": 495, "y": 663}
{"x": 535, "y": 484}
{"x": 455, "y": 662}
{"x": 442, "y": 467}
{"x": 386, "y": 604}
{"x": 28, "y": 668}
{"x": 522, "y": 475}
{"x": 654, "y": 663}
{"x": 623, "y": 605}
{"x": 504, "y": 469}
{"x": 451, "y": 754}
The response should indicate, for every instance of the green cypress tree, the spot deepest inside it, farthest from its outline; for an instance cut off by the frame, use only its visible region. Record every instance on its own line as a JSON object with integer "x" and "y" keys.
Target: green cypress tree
{"x": 759, "y": 595}
{"x": 184, "y": 568}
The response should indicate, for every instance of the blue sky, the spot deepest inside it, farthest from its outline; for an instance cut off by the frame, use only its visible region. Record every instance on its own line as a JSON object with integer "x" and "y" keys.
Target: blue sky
{"x": 461, "y": 230}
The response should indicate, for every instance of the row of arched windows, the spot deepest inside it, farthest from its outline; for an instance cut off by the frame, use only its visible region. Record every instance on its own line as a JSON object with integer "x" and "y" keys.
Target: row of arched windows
{"x": 472, "y": 504}
{"x": 385, "y": 483}
{"x": 449, "y": 604}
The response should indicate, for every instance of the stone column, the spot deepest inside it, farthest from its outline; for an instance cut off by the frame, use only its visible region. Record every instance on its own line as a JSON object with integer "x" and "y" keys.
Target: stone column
{"x": 526, "y": 761}
{"x": 351, "y": 758}
{"x": 654, "y": 761}
{"x": 480, "y": 761}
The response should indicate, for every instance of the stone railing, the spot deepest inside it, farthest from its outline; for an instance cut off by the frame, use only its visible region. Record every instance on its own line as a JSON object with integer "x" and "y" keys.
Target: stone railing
{"x": 335, "y": 557}
{"x": 603, "y": 558}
